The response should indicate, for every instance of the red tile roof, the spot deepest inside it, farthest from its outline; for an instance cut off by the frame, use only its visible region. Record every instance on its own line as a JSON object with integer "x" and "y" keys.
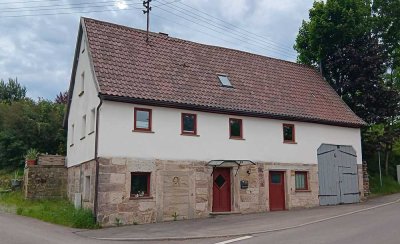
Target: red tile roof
{"x": 175, "y": 72}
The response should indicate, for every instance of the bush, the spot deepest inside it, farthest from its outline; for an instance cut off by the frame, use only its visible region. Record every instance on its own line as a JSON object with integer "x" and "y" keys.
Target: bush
{"x": 389, "y": 185}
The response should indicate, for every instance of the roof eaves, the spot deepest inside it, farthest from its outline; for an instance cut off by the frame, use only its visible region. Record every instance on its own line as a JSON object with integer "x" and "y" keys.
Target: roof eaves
{"x": 212, "y": 109}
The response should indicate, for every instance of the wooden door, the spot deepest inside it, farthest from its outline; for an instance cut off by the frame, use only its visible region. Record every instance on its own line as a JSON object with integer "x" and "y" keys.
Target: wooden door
{"x": 276, "y": 190}
{"x": 221, "y": 190}
{"x": 338, "y": 175}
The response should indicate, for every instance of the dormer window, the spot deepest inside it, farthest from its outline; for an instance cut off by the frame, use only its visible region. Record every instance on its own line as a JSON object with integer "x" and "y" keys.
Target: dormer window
{"x": 224, "y": 80}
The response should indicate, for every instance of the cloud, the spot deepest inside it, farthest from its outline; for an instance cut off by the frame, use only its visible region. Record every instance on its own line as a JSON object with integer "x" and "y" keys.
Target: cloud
{"x": 39, "y": 49}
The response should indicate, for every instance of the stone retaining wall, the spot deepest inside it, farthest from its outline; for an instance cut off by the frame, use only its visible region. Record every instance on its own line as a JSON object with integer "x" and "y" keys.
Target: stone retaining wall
{"x": 45, "y": 159}
{"x": 45, "y": 181}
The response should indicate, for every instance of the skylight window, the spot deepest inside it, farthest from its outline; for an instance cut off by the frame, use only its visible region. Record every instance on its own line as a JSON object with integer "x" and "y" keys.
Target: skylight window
{"x": 224, "y": 80}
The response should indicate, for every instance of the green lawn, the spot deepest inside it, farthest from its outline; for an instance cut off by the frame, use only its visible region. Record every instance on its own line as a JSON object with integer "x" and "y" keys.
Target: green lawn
{"x": 58, "y": 211}
{"x": 389, "y": 186}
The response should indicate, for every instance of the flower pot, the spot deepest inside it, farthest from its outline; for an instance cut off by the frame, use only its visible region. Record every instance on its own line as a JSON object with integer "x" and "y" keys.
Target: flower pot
{"x": 30, "y": 162}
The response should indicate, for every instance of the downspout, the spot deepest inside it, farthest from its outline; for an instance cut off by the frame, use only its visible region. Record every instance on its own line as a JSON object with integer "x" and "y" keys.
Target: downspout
{"x": 96, "y": 186}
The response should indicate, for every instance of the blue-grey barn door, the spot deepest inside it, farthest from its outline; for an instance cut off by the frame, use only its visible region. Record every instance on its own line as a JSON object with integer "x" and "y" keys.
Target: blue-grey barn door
{"x": 337, "y": 175}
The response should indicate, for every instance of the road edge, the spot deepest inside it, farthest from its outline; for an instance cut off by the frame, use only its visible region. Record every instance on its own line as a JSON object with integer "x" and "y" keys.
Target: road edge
{"x": 182, "y": 238}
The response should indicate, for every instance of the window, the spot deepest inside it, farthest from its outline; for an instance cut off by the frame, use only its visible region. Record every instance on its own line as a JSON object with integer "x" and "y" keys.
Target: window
{"x": 235, "y": 129}
{"x": 72, "y": 134}
{"x": 189, "y": 124}
{"x": 276, "y": 178}
{"x": 224, "y": 80}
{"x": 142, "y": 119}
{"x": 288, "y": 133}
{"x": 86, "y": 190}
{"x": 301, "y": 181}
{"x": 83, "y": 131}
{"x": 140, "y": 184}
{"x": 82, "y": 84}
{"x": 92, "y": 120}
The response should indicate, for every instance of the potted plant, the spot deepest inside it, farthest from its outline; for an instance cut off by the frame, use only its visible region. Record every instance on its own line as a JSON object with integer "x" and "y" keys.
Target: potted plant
{"x": 31, "y": 156}
{"x": 16, "y": 182}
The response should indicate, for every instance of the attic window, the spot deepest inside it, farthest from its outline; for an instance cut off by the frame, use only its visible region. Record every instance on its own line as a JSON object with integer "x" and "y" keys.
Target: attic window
{"x": 224, "y": 80}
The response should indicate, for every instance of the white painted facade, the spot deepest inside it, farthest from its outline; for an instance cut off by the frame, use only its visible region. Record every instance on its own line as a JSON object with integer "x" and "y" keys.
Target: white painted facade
{"x": 81, "y": 138}
{"x": 263, "y": 138}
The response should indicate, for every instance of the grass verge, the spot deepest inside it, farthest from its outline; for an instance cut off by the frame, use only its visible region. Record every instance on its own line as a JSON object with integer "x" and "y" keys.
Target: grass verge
{"x": 389, "y": 185}
{"x": 57, "y": 211}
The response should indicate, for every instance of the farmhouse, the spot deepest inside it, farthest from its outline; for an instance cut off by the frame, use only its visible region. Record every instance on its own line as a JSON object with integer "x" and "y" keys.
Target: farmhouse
{"x": 172, "y": 129}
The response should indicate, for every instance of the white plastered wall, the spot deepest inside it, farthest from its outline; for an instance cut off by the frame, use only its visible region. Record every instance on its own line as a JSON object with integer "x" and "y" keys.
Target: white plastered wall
{"x": 263, "y": 139}
{"x": 81, "y": 149}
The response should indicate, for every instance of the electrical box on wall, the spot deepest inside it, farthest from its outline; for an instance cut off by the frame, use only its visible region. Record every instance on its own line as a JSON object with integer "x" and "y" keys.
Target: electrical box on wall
{"x": 244, "y": 184}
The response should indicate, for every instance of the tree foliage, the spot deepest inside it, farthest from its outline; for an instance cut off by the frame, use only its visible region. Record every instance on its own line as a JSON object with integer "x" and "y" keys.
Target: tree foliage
{"x": 11, "y": 91}
{"x": 25, "y": 124}
{"x": 62, "y": 98}
{"x": 355, "y": 44}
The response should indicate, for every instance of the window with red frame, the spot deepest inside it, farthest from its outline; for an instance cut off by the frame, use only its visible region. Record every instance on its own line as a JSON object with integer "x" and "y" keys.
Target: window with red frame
{"x": 235, "y": 129}
{"x": 288, "y": 133}
{"x": 140, "y": 184}
{"x": 142, "y": 119}
{"x": 189, "y": 124}
{"x": 301, "y": 180}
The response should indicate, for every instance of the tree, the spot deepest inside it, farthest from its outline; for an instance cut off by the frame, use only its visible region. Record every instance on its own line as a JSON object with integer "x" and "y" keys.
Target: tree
{"x": 28, "y": 124}
{"x": 11, "y": 91}
{"x": 354, "y": 45}
{"x": 62, "y": 98}
{"x": 386, "y": 16}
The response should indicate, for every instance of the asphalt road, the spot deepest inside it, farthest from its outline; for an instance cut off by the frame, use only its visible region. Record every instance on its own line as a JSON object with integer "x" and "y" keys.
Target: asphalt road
{"x": 376, "y": 226}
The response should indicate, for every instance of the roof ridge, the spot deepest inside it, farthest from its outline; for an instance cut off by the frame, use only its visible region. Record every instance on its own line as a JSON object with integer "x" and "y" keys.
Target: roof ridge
{"x": 197, "y": 43}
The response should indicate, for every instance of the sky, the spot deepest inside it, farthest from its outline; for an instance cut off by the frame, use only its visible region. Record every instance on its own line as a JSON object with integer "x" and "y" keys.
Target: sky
{"x": 38, "y": 37}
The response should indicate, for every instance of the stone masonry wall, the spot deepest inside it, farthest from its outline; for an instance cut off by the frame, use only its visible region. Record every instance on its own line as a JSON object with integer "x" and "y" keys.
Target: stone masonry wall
{"x": 81, "y": 180}
{"x": 45, "y": 159}
{"x": 45, "y": 181}
{"x": 183, "y": 190}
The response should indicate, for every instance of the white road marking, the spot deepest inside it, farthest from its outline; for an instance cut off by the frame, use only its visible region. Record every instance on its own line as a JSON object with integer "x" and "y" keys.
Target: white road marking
{"x": 234, "y": 240}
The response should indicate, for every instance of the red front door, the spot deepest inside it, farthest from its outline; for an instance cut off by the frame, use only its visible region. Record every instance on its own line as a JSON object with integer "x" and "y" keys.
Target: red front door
{"x": 276, "y": 190}
{"x": 221, "y": 190}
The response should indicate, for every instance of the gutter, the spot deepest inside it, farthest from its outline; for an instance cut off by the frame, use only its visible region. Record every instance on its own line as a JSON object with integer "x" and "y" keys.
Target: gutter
{"x": 96, "y": 158}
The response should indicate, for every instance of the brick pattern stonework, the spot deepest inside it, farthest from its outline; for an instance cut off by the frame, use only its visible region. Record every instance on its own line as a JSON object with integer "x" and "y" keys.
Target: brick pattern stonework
{"x": 45, "y": 159}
